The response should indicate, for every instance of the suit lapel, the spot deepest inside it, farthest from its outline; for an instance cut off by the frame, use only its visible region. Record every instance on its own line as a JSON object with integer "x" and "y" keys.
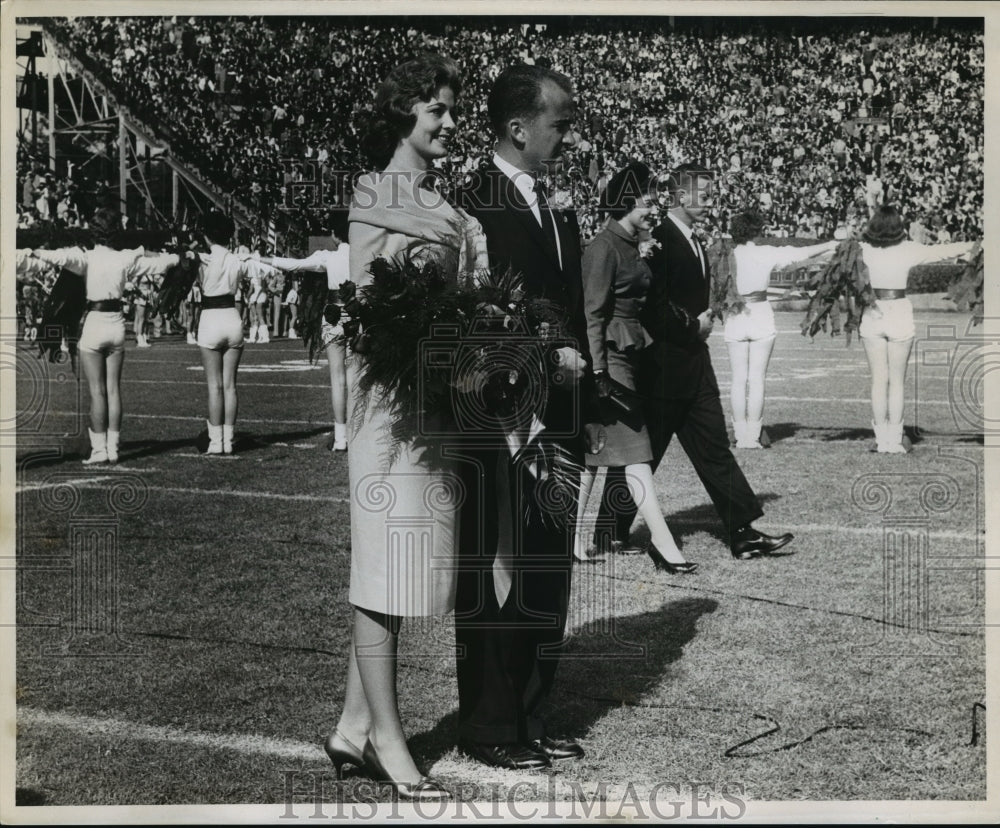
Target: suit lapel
{"x": 513, "y": 199}
{"x": 681, "y": 268}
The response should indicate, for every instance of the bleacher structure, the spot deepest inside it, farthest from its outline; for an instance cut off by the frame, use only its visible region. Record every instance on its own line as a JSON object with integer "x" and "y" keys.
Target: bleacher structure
{"x": 84, "y": 124}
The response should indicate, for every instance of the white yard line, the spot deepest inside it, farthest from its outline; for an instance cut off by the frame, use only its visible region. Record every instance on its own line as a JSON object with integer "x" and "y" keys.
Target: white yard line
{"x": 804, "y": 528}
{"x": 88, "y": 482}
{"x": 118, "y": 729}
{"x": 201, "y": 418}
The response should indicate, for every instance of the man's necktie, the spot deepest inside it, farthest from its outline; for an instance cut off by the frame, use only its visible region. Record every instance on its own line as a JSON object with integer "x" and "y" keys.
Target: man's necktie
{"x": 700, "y": 251}
{"x": 548, "y": 226}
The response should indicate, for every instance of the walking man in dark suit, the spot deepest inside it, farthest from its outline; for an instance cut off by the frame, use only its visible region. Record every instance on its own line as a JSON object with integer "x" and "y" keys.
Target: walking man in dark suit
{"x": 509, "y": 628}
{"x": 682, "y": 395}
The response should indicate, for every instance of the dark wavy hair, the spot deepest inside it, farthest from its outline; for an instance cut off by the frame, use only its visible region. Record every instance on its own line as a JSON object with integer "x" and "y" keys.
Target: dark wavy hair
{"x": 885, "y": 228}
{"x": 517, "y": 93}
{"x": 746, "y": 226}
{"x": 106, "y": 226}
{"x": 625, "y": 189}
{"x": 218, "y": 227}
{"x": 391, "y": 118}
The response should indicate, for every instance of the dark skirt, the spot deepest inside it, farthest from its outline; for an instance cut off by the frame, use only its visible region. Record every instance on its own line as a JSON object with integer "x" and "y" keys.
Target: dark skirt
{"x": 626, "y": 438}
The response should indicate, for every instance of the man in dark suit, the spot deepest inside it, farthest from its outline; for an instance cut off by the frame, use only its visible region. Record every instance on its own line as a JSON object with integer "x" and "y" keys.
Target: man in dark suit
{"x": 682, "y": 395}
{"x": 510, "y": 614}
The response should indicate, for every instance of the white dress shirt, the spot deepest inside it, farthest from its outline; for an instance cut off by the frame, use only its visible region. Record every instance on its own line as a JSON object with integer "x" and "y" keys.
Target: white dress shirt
{"x": 689, "y": 235}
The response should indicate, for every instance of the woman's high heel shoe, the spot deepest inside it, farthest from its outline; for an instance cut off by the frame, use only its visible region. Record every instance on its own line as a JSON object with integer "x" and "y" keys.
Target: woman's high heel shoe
{"x": 661, "y": 564}
{"x": 341, "y": 756}
{"x": 425, "y": 789}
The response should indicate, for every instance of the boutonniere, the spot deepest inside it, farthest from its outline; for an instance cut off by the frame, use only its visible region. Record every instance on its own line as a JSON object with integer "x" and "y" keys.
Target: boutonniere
{"x": 648, "y": 247}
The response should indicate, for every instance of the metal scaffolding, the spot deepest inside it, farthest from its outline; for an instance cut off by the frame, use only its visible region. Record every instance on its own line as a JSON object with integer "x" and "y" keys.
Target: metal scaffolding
{"x": 84, "y": 119}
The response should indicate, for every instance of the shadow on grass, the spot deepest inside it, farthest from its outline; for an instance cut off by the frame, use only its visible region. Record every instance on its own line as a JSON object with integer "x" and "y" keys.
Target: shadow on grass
{"x": 74, "y": 450}
{"x": 700, "y": 518}
{"x": 26, "y": 797}
{"x": 781, "y": 431}
{"x": 603, "y": 664}
{"x": 431, "y": 745}
{"x": 832, "y": 435}
{"x": 618, "y": 660}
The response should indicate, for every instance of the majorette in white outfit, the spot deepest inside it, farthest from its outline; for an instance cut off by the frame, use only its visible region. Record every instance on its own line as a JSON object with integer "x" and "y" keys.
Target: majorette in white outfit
{"x": 887, "y": 328}
{"x": 220, "y": 328}
{"x": 102, "y": 343}
{"x": 336, "y": 264}
{"x": 750, "y": 334}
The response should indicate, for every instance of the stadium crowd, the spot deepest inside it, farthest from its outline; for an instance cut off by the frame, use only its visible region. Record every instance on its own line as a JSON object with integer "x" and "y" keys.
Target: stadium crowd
{"x": 814, "y": 124}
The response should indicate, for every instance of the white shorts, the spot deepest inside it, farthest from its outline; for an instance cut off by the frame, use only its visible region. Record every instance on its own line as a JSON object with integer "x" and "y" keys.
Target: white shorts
{"x": 332, "y": 333}
{"x": 756, "y": 322}
{"x": 890, "y": 319}
{"x": 220, "y": 328}
{"x": 103, "y": 332}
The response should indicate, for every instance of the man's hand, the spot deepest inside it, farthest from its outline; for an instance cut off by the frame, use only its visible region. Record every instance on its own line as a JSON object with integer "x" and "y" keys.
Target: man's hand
{"x": 595, "y": 437}
{"x": 569, "y": 367}
{"x": 705, "y": 324}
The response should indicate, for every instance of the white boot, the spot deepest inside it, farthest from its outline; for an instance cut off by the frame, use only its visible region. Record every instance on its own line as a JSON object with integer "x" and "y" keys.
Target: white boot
{"x": 227, "y": 439}
{"x": 892, "y": 442}
{"x": 113, "y": 437}
{"x": 879, "y": 429}
{"x": 262, "y": 335}
{"x": 340, "y": 436}
{"x": 292, "y": 334}
{"x": 253, "y": 334}
{"x": 142, "y": 341}
{"x": 751, "y": 434}
{"x": 739, "y": 432}
{"x": 98, "y": 448}
{"x": 191, "y": 339}
{"x": 214, "y": 439}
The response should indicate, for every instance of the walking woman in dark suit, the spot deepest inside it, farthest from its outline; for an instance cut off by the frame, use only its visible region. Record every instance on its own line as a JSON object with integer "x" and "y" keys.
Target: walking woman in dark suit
{"x": 615, "y": 282}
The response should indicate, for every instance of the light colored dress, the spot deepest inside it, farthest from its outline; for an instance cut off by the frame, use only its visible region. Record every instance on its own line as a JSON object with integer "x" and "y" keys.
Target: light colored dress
{"x": 404, "y": 503}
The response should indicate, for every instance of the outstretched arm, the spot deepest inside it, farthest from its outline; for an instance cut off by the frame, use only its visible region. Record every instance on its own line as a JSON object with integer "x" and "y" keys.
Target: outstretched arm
{"x": 71, "y": 258}
{"x": 317, "y": 261}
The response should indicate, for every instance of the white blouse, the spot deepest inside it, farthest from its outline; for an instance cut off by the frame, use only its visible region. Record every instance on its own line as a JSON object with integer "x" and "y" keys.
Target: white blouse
{"x": 336, "y": 263}
{"x": 107, "y": 270}
{"x": 754, "y": 263}
{"x": 221, "y": 270}
{"x": 888, "y": 267}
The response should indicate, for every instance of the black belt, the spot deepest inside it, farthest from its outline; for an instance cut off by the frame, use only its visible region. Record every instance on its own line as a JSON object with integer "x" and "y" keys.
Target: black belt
{"x": 225, "y": 300}
{"x": 106, "y": 305}
{"x": 885, "y": 293}
{"x": 756, "y": 296}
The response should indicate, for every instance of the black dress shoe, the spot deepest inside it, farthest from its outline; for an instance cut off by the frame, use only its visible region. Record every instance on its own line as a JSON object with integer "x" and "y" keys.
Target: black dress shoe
{"x": 557, "y": 749}
{"x": 509, "y": 756}
{"x": 749, "y": 543}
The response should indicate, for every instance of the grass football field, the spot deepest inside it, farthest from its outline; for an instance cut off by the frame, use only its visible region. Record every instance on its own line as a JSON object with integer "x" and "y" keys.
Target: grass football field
{"x": 202, "y": 661}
